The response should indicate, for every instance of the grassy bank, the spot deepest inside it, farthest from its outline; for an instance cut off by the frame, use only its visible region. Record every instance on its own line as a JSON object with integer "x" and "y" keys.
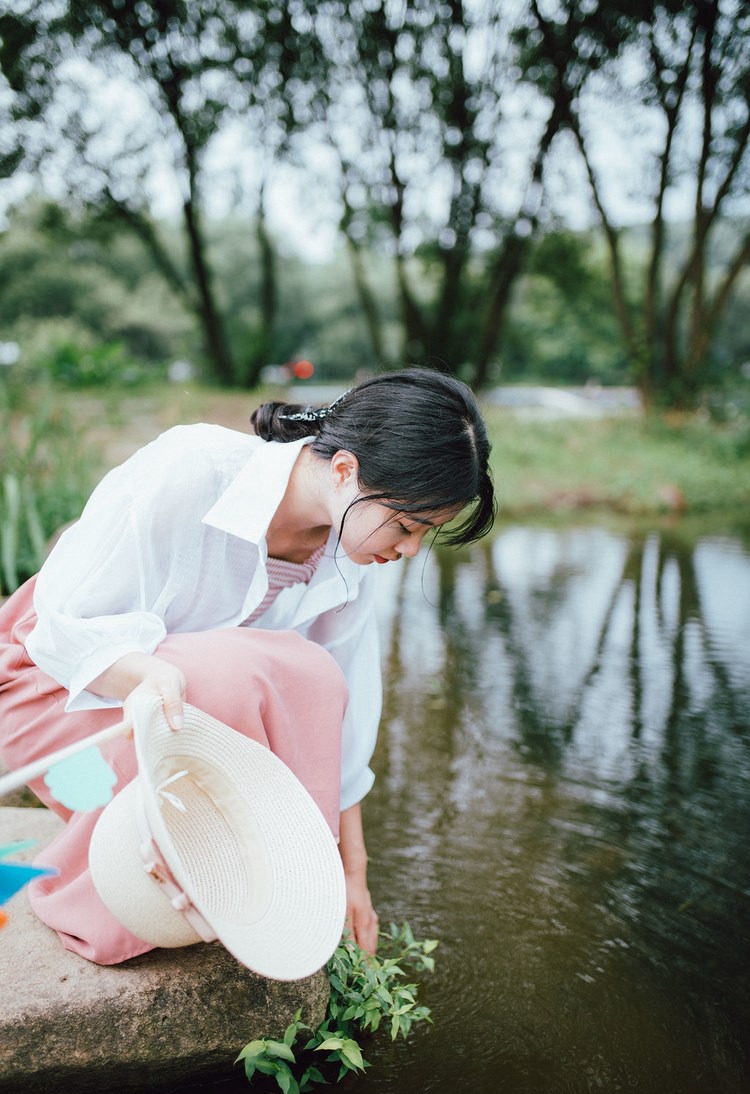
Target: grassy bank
{"x": 628, "y": 464}
{"x": 632, "y": 465}
{"x": 57, "y": 444}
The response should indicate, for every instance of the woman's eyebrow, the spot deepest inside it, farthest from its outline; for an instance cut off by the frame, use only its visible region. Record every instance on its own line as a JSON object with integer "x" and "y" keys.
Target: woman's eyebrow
{"x": 419, "y": 520}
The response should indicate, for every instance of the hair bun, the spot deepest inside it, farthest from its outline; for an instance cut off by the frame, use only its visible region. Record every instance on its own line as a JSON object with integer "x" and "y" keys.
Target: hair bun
{"x": 283, "y": 422}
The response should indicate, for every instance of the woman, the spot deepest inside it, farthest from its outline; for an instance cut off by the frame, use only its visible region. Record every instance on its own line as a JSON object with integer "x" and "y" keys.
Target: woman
{"x": 238, "y": 573}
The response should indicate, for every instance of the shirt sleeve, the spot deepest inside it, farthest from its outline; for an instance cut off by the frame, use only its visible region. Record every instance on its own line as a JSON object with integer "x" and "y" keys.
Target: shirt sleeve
{"x": 100, "y": 593}
{"x": 350, "y": 634}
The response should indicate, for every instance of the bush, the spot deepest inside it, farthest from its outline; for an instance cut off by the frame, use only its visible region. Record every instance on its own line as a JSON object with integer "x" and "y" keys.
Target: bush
{"x": 46, "y": 477}
{"x": 365, "y": 992}
{"x": 107, "y": 364}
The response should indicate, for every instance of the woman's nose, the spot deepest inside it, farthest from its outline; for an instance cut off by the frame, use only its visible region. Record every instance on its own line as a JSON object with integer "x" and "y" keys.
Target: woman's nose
{"x": 409, "y": 546}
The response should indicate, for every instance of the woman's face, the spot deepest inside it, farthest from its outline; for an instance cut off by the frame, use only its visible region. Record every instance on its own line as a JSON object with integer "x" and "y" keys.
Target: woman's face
{"x": 374, "y": 532}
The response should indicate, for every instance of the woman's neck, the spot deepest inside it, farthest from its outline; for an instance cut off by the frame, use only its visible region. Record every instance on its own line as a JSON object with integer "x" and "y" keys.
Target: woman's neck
{"x": 302, "y": 520}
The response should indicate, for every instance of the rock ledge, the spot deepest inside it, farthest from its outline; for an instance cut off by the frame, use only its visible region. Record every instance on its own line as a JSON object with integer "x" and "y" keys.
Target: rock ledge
{"x": 169, "y": 1015}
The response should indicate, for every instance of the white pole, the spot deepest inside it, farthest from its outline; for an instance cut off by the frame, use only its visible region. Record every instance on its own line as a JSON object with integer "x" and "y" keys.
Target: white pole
{"x": 31, "y": 771}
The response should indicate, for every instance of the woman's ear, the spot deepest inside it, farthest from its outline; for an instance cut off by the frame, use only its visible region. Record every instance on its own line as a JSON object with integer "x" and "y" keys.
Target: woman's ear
{"x": 344, "y": 469}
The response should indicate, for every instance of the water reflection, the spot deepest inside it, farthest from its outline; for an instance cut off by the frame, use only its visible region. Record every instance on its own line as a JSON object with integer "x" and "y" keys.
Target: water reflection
{"x": 562, "y": 799}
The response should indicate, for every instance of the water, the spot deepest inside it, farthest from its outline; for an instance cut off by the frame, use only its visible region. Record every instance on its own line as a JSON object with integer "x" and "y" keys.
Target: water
{"x": 563, "y": 801}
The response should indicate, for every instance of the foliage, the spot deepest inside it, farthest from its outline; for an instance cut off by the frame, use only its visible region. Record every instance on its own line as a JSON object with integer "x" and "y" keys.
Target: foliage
{"x": 562, "y": 326}
{"x": 46, "y": 476}
{"x": 688, "y": 66}
{"x": 191, "y": 71}
{"x": 442, "y": 139}
{"x": 101, "y": 365}
{"x": 67, "y": 280}
{"x": 365, "y": 992}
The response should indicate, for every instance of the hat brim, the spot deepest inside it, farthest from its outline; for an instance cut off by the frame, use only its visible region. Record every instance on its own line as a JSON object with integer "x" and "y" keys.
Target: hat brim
{"x": 242, "y": 838}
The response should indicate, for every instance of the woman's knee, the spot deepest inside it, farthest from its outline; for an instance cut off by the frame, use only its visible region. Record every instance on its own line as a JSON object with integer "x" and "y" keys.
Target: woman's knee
{"x": 315, "y": 670}
{"x": 224, "y": 667}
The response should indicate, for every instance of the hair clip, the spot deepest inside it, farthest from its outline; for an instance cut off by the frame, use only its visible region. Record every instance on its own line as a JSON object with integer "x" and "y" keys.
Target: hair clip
{"x": 311, "y": 415}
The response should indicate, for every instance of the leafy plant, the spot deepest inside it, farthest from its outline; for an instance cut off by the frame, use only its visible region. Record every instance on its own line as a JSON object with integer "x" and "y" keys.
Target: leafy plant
{"x": 100, "y": 365}
{"x": 366, "y": 991}
{"x": 45, "y": 477}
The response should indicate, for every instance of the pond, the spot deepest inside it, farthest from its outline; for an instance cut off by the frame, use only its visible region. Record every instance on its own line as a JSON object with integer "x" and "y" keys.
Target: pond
{"x": 563, "y": 801}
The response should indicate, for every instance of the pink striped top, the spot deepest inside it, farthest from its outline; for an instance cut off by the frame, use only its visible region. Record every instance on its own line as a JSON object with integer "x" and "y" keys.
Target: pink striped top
{"x": 283, "y": 574}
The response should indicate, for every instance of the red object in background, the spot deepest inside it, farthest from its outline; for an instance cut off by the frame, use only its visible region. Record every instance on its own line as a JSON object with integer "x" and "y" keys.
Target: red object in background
{"x": 303, "y": 369}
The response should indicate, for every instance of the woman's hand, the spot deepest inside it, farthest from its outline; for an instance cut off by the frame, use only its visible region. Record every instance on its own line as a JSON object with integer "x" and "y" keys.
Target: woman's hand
{"x": 361, "y": 918}
{"x": 137, "y": 674}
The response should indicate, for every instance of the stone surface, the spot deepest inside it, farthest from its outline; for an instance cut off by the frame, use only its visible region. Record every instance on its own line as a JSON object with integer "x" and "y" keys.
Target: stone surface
{"x": 67, "y": 1024}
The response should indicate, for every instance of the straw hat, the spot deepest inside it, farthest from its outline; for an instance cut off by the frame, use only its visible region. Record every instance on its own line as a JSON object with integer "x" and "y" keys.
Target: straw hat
{"x": 216, "y": 838}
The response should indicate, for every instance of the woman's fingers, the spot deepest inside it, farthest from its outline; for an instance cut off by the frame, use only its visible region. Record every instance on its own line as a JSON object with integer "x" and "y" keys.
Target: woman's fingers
{"x": 169, "y": 683}
{"x": 361, "y": 918}
{"x": 173, "y": 713}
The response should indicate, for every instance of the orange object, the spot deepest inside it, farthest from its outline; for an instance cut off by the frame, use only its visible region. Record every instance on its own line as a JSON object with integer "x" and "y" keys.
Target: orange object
{"x": 3, "y": 919}
{"x": 303, "y": 369}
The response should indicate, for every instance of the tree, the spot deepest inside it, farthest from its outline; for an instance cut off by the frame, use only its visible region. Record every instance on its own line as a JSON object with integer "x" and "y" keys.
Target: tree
{"x": 413, "y": 132}
{"x": 198, "y": 67}
{"x": 441, "y": 159}
{"x": 691, "y": 60}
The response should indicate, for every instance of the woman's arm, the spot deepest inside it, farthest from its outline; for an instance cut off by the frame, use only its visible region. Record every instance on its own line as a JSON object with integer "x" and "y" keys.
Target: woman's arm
{"x": 361, "y": 918}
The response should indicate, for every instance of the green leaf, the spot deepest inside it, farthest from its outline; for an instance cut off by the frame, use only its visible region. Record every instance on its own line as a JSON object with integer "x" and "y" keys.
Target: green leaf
{"x": 268, "y": 1067}
{"x": 311, "y": 1075}
{"x": 428, "y": 947}
{"x": 286, "y": 1080}
{"x": 332, "y": 1043}
{"x": 279, "y": 1048}
{"x": 353, "y": 1054}
{"x": 254, "y": 1048}
{"x": 372, "y": 1022}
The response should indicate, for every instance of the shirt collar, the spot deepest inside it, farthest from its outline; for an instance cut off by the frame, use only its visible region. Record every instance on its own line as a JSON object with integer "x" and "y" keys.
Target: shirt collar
{"x": 248, "y": 504}
{"x": 246, "y": 509}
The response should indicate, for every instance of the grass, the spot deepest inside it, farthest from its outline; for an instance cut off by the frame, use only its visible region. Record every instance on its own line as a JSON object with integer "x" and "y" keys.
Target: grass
{"x": 632, "y": 465}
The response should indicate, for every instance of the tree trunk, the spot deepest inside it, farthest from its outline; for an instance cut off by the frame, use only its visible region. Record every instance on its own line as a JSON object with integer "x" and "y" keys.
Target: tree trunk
{"x": 509, "y": 262}
{"x": 143, "y": 228}
{"x": 414, "y": 332}
{"x": 671, "y": 105}
{"x": 506, "y": 270}
{"x": 260, "y": 356}
{"x": 213, "y": 331}
{"x": 367, "y": 301}
{"x": 613, "y": 241}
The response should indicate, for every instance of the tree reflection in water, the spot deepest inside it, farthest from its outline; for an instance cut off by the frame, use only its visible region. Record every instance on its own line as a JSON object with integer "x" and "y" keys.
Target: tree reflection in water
{"x": 563, "y": 798}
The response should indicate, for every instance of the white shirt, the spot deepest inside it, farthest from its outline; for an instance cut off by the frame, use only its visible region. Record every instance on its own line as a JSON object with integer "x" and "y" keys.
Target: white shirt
{"x": 173, "y": 541}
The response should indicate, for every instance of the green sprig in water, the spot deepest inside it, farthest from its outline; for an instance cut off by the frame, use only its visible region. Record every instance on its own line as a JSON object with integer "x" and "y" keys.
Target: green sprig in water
{"x": 366, "y": 992}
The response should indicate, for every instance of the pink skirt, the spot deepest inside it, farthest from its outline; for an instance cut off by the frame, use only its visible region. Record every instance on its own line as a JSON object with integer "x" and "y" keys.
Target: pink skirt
{"x": 273, "y": 686}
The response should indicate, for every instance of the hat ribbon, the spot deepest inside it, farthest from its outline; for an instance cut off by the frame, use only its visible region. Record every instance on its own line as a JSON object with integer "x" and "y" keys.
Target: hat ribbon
{"x": 173, "y": 799}
{"x": 156, "y": 867}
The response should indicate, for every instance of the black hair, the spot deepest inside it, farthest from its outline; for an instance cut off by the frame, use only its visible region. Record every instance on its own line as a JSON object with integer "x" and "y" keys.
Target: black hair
{"x": 418, "y": 436}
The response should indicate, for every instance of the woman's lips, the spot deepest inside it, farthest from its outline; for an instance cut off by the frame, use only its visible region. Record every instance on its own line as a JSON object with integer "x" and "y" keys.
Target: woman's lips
{"x": 380, "y": 559}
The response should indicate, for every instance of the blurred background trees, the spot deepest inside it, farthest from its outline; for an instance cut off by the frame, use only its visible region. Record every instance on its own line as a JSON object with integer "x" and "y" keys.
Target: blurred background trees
{"x": 532, "y": 190}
